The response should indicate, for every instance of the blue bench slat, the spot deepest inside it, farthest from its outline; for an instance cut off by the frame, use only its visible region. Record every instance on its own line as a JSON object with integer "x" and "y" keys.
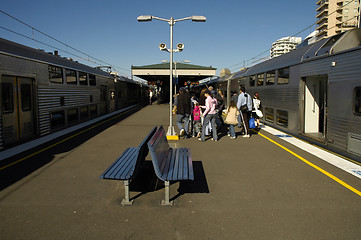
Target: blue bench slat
{"x": 182, "y": 173}
{"x": 185, "y": 166}
{"x": 129, "y": 158}
{"x": 117, "y": 165}
{"x": 128, "y": 164}
{"x": 185, "y": 163}
{"x": 181, "y": 164}
{"x": 112, "y": 167}
{"x": 166, "y": 165}
{"x": 128, "y": 168}
{"x": 190, "y": 165}
{"x": 163, "y": 161}
{"x": 171, "y": 165}
{"x": 124, "y": 168}
{"x": 176, "y": 172}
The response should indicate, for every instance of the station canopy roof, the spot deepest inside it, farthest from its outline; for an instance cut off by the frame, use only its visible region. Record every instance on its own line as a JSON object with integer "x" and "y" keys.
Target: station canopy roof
{"x": 185, "y": 72}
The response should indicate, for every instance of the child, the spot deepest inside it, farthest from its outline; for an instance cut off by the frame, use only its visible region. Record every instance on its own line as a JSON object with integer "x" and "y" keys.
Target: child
{"x": 232, "y": 118}
{"x": 196, "y": 120}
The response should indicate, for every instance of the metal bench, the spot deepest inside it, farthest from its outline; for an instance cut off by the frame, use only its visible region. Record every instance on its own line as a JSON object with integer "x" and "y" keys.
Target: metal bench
{"x": 170, "y": 164}
{"x": 127, "y": 165}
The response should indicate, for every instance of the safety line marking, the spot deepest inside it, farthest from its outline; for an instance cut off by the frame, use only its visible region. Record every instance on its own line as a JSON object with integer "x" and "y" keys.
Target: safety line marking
{"x": 337, "y": 160}
{"x": 314, "y": 166}
{"x": 64, "y": 140}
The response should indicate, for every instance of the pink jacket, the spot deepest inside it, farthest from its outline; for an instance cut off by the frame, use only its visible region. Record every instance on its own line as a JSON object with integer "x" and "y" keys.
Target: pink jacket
{"x": 210, "y": 106}
{"x": 197, "y": 113}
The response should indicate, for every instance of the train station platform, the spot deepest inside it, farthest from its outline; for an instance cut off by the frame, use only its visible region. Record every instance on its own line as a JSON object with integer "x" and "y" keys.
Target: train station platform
{"x": 248, "y": 188}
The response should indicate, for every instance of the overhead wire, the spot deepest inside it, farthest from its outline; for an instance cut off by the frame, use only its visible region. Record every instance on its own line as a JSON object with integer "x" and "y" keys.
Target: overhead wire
{"x": 22, "y": 35}
{"x": 251, "y": 60}
{"x": 67, "y": 45}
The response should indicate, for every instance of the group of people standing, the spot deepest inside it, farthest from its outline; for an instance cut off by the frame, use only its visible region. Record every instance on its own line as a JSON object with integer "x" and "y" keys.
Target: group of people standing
{"x": 201, "y": 116}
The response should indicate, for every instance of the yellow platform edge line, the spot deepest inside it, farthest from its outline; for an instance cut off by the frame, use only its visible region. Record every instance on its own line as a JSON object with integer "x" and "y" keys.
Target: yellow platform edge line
{"x": 315, "y": 166}
{"x": 64, "y": 140}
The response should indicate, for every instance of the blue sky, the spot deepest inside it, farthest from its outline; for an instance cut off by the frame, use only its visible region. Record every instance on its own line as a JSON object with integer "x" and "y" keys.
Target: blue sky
{"x": 235, "y": 30}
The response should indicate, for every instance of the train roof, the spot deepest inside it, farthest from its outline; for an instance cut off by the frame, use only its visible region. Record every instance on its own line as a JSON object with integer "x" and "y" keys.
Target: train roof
{"x": 239, "y": 73}
{"x": 18, "y": 50}
{"x": 292, "y": 58}
{"x": 325, "y": 47}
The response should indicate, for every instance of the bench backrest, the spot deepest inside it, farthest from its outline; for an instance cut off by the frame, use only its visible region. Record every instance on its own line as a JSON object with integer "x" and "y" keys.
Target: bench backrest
{"x": 159, "y": 150}
{"x": 143, "y": 149}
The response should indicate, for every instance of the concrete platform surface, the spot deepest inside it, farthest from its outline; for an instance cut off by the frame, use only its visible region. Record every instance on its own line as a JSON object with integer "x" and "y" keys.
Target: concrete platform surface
{"x": 247, "y": 188}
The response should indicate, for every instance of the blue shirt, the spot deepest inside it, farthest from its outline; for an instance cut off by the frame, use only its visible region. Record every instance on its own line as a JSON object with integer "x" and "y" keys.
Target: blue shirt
{"x": 242, "y": 100}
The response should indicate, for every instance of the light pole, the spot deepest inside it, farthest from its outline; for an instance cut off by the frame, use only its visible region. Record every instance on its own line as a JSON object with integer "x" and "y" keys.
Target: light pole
{"x": 171, "y": 21}
{"x": 175, "y": 70}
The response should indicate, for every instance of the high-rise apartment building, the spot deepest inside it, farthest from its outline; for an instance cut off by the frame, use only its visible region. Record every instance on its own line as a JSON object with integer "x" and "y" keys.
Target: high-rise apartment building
{"x": 284, "y": 45}
{"x": 336, "y": 16}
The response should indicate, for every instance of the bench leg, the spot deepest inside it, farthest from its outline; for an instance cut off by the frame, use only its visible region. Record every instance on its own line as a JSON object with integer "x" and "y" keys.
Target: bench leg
{"x": 126, "y": 201}
{"x": 166, "y": 201}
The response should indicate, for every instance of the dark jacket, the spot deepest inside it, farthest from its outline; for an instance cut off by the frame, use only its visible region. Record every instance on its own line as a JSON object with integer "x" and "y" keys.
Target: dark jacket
{"x": 202, "y": 100}
{"x": 184, "y": 104}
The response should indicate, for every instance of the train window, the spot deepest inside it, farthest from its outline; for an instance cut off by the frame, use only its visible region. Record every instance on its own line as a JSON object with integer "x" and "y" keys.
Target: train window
{"x": 357, "y": 101}
{"x": 282, "y": 118}
{"x": 7, "y": 98}
{"x": 260, "y": 79}
{"x": 72, "y": 115}
{"x": 252, "y": 80}
{"x": 83, "y": 80}
{"x": 93, "y": 110}
{"x": 26, "y": 97}
{"x": 70, "y": 76}
{"x": 283, "y": 76}
{"x": 269, "y": 114}
{"x": 92, "y": 80}
{"x": 55, "y": 74}
{"x": 57, "y": 119}
{"x": 83, "y": 113}
{"x": 270, "y": 78}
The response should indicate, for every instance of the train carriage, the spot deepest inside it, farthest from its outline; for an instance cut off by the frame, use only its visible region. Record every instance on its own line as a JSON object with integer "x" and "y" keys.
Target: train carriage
{"x": 44, "y": 92}
{"x": 313, "y": 92}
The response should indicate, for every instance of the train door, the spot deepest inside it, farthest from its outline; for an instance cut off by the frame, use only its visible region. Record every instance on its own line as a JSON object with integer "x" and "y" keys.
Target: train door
{"x": 17, "y": 108}
{"x": 103, "y": 99}
{"x": 315, "y": 106}
{"x": 112, "y": 100}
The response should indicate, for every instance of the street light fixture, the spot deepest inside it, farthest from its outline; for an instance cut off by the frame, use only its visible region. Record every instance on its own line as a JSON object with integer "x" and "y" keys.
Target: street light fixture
{"x": 171, "y": 21}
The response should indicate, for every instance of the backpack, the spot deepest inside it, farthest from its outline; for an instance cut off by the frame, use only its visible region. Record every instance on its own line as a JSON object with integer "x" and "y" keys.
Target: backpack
{"x": 249, "y": 104}
{"x": 219, "y": 100}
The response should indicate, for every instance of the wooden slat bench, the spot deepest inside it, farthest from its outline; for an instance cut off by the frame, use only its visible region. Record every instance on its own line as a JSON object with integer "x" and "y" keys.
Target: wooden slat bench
{"x": 170, "y": 164}
{"x": 127, "y": 165}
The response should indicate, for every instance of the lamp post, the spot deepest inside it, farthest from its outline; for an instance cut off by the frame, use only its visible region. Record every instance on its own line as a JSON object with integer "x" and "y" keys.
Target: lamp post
{"x": 175, "y": 71}
{"x": 171, "y": 21}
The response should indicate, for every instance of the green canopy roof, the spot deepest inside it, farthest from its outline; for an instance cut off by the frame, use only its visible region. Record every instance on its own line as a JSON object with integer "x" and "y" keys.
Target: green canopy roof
{"x": 185, "y": 72}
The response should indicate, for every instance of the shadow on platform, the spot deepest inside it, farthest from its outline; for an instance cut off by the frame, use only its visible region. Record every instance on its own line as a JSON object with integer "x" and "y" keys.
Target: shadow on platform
{"x": 17, "y": 167}
{"x": 147, "y": 182}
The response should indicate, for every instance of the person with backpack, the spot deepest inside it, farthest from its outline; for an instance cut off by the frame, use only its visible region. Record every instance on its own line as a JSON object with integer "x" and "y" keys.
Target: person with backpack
{"x": 183, "y": 109}
{"x": 244, "y": 105}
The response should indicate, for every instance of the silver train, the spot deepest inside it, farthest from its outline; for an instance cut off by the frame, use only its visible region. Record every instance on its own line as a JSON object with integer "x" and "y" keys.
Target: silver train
{"x": 42, "y": 92}
{"x": 313, "y": 92}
